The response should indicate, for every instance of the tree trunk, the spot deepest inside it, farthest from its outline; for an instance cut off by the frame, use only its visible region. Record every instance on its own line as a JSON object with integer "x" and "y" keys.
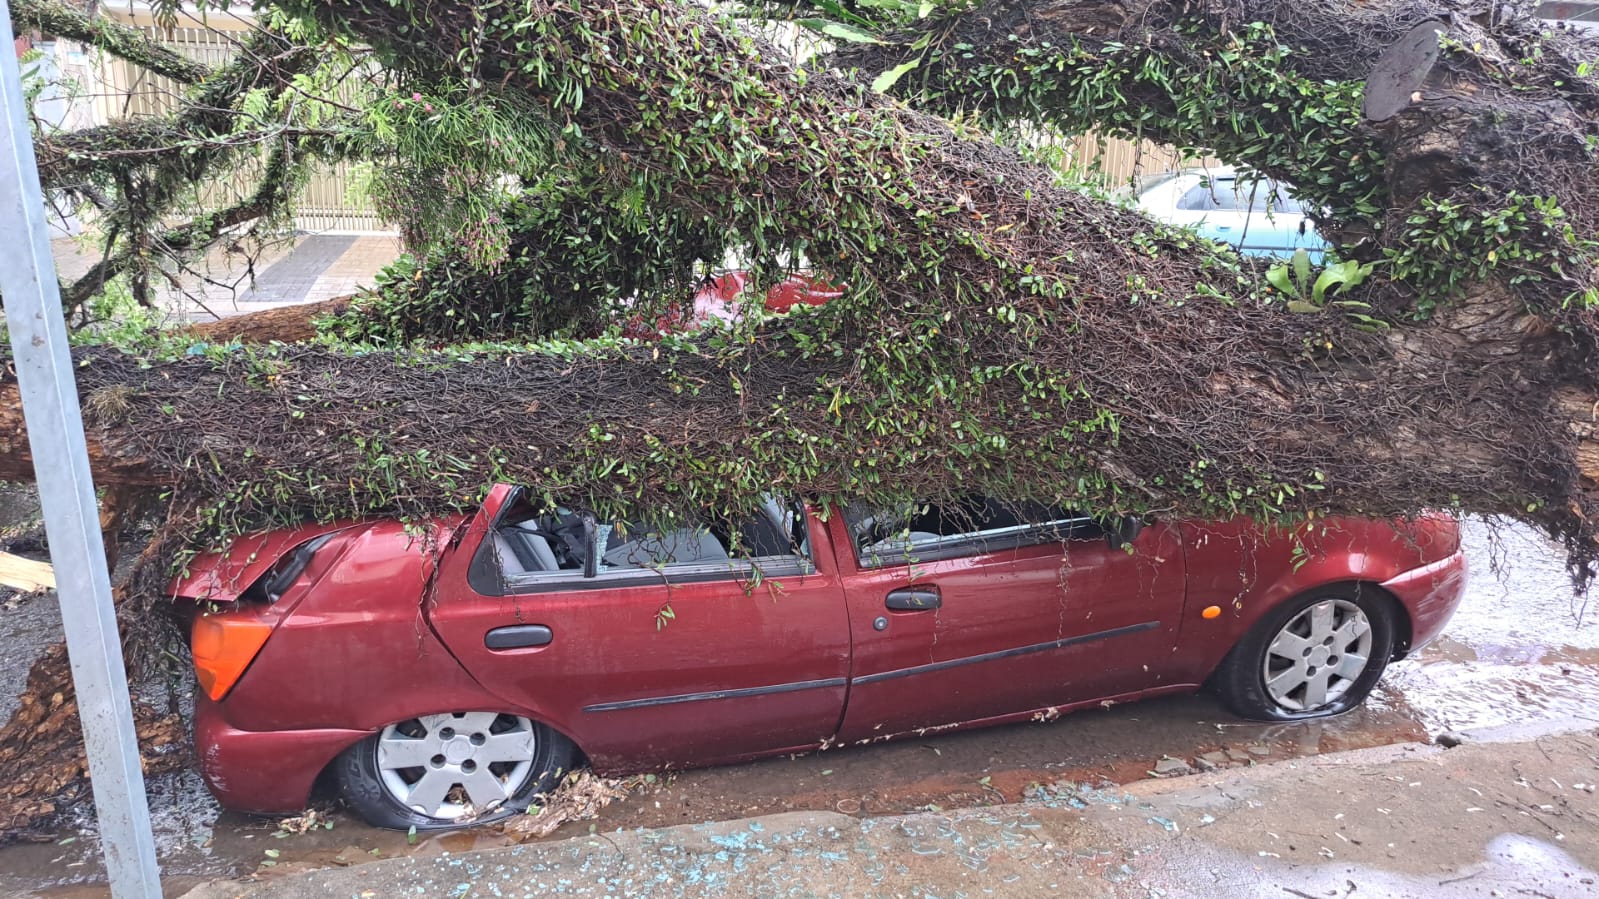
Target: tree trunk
{"x": 284, "y": 324}
{"x": 42, "y": 762}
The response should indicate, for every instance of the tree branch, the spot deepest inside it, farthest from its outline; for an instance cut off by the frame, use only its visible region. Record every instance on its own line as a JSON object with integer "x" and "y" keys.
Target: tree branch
{"x": 63, "y": 20}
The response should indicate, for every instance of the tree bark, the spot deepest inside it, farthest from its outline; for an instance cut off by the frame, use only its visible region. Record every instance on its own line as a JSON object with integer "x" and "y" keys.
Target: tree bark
{"x": 42, "y": 759}
{"x": 287, "y": 324}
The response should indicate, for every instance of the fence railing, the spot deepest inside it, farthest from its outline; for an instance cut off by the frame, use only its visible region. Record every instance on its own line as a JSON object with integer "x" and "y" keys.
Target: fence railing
{"x": 325, "y": 203}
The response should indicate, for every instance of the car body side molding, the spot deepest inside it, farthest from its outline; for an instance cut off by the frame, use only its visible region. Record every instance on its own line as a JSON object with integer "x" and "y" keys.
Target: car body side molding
{"x": 715, "y": 694}
{"x": 1008, "y": 653}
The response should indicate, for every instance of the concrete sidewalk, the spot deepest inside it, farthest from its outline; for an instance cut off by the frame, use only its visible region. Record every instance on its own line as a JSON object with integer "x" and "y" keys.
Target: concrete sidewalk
{"x": 1515, "y": 818}
{"x": 304, "y": 268}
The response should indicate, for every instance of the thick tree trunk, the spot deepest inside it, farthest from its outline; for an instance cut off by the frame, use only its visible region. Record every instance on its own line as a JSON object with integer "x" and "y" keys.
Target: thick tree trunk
{"x": 1215, "y": 403}
{"x": 286, "y": 324}
{"x": 42, "y": 762}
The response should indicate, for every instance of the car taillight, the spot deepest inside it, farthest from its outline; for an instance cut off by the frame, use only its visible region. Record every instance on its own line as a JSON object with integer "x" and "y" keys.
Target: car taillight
{"x": 223, "y": 646}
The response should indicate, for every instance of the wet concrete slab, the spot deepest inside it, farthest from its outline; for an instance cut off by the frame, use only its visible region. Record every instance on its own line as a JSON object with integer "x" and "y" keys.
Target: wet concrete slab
{"x": 1411, "y": 820}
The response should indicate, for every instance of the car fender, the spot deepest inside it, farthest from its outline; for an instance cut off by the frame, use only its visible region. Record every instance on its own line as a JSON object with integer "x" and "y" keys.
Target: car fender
{"x": 222, "y": 574}
{"x": 1243, "y": 574}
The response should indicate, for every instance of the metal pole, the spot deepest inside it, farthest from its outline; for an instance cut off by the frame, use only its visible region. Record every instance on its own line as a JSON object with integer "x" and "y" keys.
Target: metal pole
{"x": 66, "y": 491}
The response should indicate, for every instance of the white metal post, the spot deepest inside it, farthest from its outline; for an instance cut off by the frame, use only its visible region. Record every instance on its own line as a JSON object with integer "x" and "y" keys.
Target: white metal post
{"x": 66, "y": 492}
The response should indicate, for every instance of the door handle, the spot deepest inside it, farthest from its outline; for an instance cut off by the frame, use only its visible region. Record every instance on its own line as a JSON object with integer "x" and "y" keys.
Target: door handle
{"x": 914, "y": 599}
{"x": 518, "y": 636}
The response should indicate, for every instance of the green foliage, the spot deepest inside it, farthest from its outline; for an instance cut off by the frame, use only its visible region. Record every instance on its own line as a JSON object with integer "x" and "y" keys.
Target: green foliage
{"x": 114, "y": 317}
{"x": 1293, "y": 279}
{"x": 443, "y": 157}
{"x": 1232, "y": 95}
{"x": 1450, "y": 243}
{"x": 582, "y": 253}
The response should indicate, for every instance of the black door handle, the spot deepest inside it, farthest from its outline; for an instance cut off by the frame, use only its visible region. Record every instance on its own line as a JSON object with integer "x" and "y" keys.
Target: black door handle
{"x": 914, "y": 599}
{"x": 518, "y": 636}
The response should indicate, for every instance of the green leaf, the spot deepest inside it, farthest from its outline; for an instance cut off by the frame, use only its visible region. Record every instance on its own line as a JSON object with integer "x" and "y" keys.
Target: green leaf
{"x": 883, "y": 82}
{"x": 1302, "y": 269}
{"x": 1302, "y": 307}
{"x": 1277, "y": 276}
{"x": 839, "y": 30}
{"x": 837, "y": 11}
{"x": 1338, "y": 276}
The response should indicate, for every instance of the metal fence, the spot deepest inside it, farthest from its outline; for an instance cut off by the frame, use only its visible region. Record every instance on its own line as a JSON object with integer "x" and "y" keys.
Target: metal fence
{"x": 325, "y": 204}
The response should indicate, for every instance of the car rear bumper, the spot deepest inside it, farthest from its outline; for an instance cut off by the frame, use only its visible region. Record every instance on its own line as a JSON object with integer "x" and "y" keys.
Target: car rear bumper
{"x": 262, "y": 771}
{"x": 1430, "y": 593}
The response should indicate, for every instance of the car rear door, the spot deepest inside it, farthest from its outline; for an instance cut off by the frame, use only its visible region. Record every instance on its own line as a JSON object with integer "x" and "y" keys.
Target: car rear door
{"x": 696, "y": 659}
{"x": 963, "y": 622}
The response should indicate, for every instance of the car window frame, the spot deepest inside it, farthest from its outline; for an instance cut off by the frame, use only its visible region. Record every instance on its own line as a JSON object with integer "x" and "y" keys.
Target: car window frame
{"x": 486, "y": 576}
{"x": 979, "y": 543}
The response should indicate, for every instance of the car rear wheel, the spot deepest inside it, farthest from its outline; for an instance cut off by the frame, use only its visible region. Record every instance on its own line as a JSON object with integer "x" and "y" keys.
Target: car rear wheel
{"x": 441, "y": 771}
{"x": 1317, "y": 654}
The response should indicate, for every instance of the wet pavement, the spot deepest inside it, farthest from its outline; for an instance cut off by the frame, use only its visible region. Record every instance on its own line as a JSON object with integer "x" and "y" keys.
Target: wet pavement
{"x": 1521, "y": 651}
{"x": 1505, "y": 818}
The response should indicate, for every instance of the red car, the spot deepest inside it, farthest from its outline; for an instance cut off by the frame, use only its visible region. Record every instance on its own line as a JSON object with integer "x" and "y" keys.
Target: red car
{"x": 453, "y": 675}
{"x": 721, "y": 297}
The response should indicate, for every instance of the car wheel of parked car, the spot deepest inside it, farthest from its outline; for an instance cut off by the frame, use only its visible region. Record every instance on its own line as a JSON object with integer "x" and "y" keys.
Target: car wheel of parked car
{"x": 441, "y": 771}
{"x": 1315, "y": 655}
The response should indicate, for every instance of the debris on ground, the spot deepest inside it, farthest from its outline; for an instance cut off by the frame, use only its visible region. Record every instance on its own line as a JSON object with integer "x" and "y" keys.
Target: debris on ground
{"x": 1171, "y": 767}
{"x": 578, "y": 798}
{"x": 300, "y": 824}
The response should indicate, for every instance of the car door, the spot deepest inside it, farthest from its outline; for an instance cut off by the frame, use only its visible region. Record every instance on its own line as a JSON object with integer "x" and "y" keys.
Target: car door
{"x": 674, "y": 647}
{"x": 998, "y": 609}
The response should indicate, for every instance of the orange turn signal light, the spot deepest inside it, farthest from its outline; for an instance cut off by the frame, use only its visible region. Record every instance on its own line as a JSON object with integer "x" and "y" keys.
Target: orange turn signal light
{"x": 1211, "y": 612}
{"x": 223, "y": 646}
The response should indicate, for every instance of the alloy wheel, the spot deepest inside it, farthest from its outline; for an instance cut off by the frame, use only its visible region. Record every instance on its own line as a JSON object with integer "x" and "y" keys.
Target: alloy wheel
{"x": 1318, "y": 655}
{"x": 456, "y": 766}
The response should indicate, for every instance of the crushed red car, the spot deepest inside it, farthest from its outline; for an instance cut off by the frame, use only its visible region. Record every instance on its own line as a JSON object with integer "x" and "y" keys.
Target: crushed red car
{"x": 455, "y": 676}
{"x": 721, "y": 296}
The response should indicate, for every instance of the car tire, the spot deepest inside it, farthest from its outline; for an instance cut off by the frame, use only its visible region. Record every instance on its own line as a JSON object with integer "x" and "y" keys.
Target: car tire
{"x": 1299, "y": 661}
{"x": 478, "y": 767}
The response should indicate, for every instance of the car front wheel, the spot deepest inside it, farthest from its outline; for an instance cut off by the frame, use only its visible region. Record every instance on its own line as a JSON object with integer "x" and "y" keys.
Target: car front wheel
{"x": 441, "y": 771}
{"x": 1317, "y": 654}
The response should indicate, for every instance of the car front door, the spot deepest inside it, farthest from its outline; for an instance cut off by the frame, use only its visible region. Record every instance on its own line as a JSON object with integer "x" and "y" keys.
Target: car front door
{"x": 676, "y": 646}
{"x": 995, "y": 609}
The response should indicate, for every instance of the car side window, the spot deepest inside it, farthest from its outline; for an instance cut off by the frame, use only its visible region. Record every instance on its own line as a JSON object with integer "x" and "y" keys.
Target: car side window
{"x": 767, "y": 532}
{"x": 529, "y": 551}
{"x": 920, "y": 531}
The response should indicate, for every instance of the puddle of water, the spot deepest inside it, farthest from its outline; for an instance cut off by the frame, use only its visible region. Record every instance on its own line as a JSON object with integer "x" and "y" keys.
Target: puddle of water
{"x": 1519, "y": 595}
{"x": 1522, "y": 646}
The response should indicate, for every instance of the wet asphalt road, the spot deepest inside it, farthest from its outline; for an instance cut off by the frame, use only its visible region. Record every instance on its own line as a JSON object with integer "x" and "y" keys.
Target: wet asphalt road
{"x": 1521, "y": 650}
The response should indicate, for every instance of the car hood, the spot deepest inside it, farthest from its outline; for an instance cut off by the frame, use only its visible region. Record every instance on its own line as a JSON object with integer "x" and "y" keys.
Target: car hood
{"x": 222, "y": 575}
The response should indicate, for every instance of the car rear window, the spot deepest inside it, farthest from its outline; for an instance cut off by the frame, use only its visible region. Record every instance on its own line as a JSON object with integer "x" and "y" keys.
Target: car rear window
{"x": 1231, "y": 195}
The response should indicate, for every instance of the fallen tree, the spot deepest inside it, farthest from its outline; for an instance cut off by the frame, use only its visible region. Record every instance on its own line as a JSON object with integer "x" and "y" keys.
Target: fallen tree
{"x": 1407, "y": 123}
{"x": 1000, "y": 334}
